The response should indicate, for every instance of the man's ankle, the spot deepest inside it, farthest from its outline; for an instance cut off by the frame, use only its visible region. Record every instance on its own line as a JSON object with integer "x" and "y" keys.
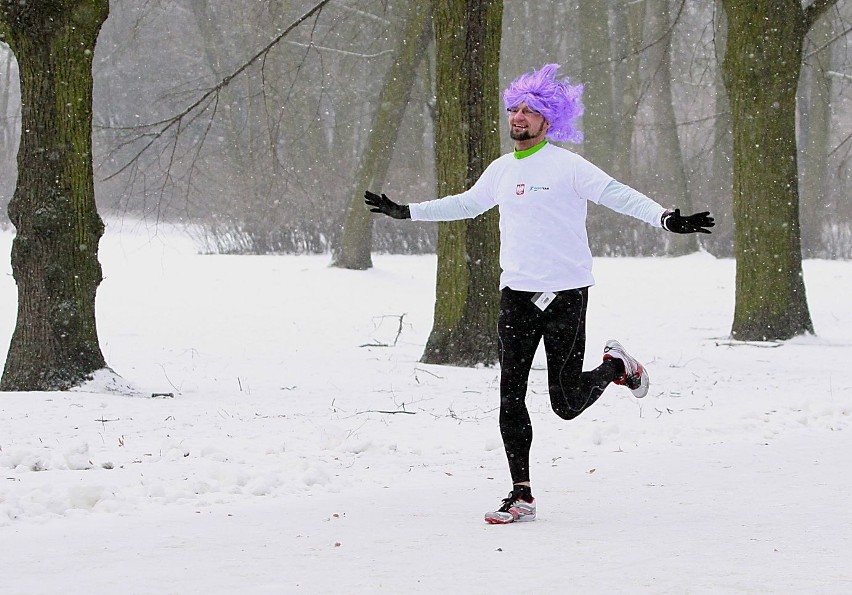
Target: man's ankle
{"x": 524, "y": 491}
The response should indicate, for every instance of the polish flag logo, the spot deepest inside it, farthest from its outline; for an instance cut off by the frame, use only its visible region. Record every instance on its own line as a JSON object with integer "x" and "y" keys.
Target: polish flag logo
{"x": 519, "y": 189}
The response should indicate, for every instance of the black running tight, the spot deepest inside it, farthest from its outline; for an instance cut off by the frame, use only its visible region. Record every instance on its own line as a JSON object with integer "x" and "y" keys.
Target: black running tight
{"x": 521, "y": 327}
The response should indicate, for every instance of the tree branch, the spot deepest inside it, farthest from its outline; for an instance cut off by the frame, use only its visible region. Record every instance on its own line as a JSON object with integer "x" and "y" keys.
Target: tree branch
{"x": 816, "y": 10}
{"x": 663, "y": 38}
{"x": 840, "y": 35}
{"x": 343, "y": 52}
{"x": 210, "y": 94}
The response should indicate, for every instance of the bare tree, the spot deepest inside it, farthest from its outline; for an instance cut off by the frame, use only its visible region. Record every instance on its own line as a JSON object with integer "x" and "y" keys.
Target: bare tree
{"x": 628, "y": 26}
{"x": 598, "y": 119}
{"x": 9, "y": 126}
{"x": 353, "y": 250}
{"x": 721, "y": 159}
{"x": 668, "y": 183}
{"x": 266, "y": 162}
{"x": 608, "y": 233}
{"x": 814, "y": 143}
{"x": 226, "y": 136}
{"x": 54, "y": 254}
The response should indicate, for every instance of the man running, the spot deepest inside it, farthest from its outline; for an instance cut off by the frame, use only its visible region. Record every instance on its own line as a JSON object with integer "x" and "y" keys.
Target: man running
{"x": 542, "y": 191}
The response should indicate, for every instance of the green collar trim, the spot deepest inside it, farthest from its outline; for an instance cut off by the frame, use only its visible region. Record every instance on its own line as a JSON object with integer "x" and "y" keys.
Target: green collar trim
{"x": 530, "y": 151}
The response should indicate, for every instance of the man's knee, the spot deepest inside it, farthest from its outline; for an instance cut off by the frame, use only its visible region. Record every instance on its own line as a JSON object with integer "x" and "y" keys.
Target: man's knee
{"x": 564, "y": 404}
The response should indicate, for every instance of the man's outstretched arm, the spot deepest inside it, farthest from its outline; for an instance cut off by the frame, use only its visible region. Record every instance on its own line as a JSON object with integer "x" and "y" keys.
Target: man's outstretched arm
{"x": 450, "y": 208}
{"x": 628, "y": 201}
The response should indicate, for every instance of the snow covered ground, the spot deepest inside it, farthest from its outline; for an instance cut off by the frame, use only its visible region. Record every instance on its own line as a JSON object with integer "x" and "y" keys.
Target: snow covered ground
{"x": 287, "y": 452}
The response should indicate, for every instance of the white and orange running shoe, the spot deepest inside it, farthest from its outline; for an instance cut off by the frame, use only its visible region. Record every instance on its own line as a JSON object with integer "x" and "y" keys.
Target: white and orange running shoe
{"x": 515, "y": 509}
{"x": 635, "y": 377}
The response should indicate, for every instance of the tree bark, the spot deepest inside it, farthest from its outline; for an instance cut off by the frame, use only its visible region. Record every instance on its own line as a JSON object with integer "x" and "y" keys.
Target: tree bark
{"x": 467, "y": 34}
{"x": 815, "y": 126}
{"x": 353, "y": 251}
{"x": 9, "y": 126}
{"x": 629, "y": 20}
{"x": 6, "y": 126}
{"x": 721, "y": 182}
{"x": 598, "y": 122}
{"x": 669, "y": 184}
{"x": 54, "y": 254}
{"x": 761, "y": 71}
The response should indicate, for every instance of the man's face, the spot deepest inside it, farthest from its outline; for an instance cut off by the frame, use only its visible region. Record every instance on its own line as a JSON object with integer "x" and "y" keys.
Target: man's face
{"x": 526, "y": 124}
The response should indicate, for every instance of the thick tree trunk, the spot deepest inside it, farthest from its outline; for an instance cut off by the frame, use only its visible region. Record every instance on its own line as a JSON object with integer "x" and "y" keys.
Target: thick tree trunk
{"x": 761, "y": 71}
{"x": 353, "y": 251}
{"x": 467, "y": 34}
{"x": 54, "y": 254}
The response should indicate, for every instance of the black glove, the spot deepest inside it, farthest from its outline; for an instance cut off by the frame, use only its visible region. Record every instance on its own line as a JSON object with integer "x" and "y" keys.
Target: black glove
{"x": 382, "y": 204}
{"x": 674, "y": 222}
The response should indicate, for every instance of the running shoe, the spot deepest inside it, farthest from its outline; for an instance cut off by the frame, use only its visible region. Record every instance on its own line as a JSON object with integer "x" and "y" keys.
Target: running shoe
{"x": 635, "y": 377}
{"x": 514, "y": 509}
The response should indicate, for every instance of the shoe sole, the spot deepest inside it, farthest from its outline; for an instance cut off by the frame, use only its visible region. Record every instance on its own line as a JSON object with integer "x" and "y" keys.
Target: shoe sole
{"x": 644, "y": 385}
{"x": 495, "y": 521}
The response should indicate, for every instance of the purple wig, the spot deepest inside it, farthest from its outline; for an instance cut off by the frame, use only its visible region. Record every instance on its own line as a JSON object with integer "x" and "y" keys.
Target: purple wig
{"x": 559, "y": 102}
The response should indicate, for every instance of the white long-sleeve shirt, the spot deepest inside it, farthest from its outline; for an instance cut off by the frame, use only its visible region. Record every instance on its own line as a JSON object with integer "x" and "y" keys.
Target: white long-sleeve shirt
{"x": 542, "y": 196}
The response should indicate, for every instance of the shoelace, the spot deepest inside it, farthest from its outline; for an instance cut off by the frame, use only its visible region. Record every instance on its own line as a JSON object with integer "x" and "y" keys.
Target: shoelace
{"x": 513, "y": 497}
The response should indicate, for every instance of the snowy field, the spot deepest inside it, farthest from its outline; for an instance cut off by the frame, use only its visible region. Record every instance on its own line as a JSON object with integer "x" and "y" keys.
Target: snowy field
{"x": 297, "y": 445}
